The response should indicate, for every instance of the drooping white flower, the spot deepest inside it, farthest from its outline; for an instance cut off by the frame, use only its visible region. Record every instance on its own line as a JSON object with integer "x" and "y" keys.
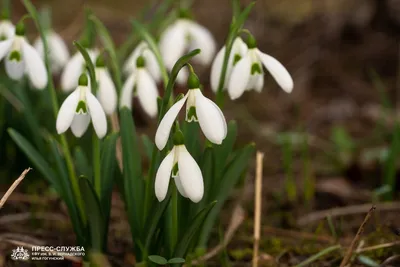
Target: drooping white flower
{"x": 106, "y": 92}
{"x": 78, "y": 109}
{"x": 182, "y": 36}
{"x": 21, "y": 58}
{"x": 186, "y": 173}
{"x": 74, "y": 68}
{"x": 239, "y": 49}
{"x": 142, "y": 84}
{"x": 198, "y": 108}
{"x": 151, "y": 62}
{"x": 58, "y": 50}
{"x": 7, "y": 30}
{"x": 248, "y": 73}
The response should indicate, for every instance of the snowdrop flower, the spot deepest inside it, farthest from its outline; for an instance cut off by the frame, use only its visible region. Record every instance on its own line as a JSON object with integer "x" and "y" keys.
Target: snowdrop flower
{"x": 7, "y": 30}
{"x": 106, "y": 92}
{"x": 239, "y": 49}
{"x": 21, "y": 58}
{"x": 198, "y": 108}
{"x": 78, "y": 109}
{"x": 58, "y": 50}
{"x": 182, "y": 36}
{"x": 74, "y": 68}
{"x": 248, "y": 73}
{"x": 141, "y": 83}
{"x": 151, "y": 62}
{"x": 183, "y": 168}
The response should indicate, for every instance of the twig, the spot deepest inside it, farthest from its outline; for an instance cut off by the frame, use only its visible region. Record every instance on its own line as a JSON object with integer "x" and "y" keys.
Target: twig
{"x": 350, "y": 250}
{"x": 318, "y": 255}
{"x": 385, "y": 245}
{"x": 349, "y": 210}
{"x": 257, "y": 207}
{"x": 12, "y": 187}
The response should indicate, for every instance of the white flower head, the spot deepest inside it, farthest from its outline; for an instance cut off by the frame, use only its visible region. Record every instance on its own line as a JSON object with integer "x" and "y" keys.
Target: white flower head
{"x": 182, "y": 36}
{"x": 198, "y": 108}
{"x": 78, "y": 109}
{"x": 74, "y": 68}
{"x": 21, "y": 58}
{"x": 239, "y": 49}
{"x": 7, "y": 30}
{"x": 58, "y": 50}
{"x": 248, "y": 73}
{"x": 183, "y": 168}
{"x": 106, "y": 92}
{"x": 143, "y": 85}
{"x": 151, "y": 62}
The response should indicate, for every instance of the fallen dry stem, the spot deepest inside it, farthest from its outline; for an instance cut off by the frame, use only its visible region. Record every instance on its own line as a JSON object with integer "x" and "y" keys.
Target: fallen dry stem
{"x": 12, "y": 187}
{"x": 257, "y": 206}
{"x": 356, "y": 239}
{"x": 385, "y": 245}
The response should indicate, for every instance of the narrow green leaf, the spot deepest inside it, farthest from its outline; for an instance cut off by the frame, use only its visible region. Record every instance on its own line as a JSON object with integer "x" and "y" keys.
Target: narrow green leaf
{"x": 390, "y": 164}
{"x": 38, "y": 161}
{"x": 195, "y": 225}
{"x": 222, "y": 152}
{"x": 148, "y": 146}
{"x": 176, "y": 260}
{"x": 230, "y": 178}
{"x": 158, "y": 259}
{"x": 191, "y": 132}
{"x": 94, "y": 214}
{"x": 133, "y": 181}
{"x": 108, "y": 164}
{"x": 82, "y": 163}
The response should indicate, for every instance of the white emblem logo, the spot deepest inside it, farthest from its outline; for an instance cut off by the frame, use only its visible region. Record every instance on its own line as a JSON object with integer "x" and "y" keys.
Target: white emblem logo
{"x": 20, "y": 254}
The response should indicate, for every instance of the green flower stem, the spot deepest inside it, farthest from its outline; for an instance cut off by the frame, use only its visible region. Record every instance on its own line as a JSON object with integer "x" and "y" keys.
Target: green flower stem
{"x": 236, "y": 25}
{"x": 64, "y": 144}
{"x": 175, "y": 227}
{"x": 95, "y": 141}
{"x": 6, "y": 6}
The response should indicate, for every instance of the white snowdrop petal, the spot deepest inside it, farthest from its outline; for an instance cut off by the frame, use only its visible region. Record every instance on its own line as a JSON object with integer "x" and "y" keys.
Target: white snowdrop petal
{"x": 164, "y": 128}
{"x": 15, "y": 69}
{"x": 190, "y": 175}
{"x": 79, "y": 124}
{"x": 38, "y": 45}
{"x": 127, "y": 90}
{"x": 259, "y": 83}
{"x": 147, "y": 92}
{"x": 70, "y": 75}
{"x": 7, "y": 29}
{"x": 58, "y": 51}
{"x": 67, "y": 112}
{"x": 182, "y": 77}
{"x": 5, "y": 47}
{"x": 163, "y": 175}
{"x": 173, "y": 44}
{"x": 152, "y": 64}
{"x": 201, "y": 38}
{"x": 239, "y": 78}
{"x": 277, "y": 70}
{"x": 211, "y": 119}
{"x": 97, "y": 115}
{"x": 34, "y": 66}
{"x": 130, "y": 63}
{"x": 179, "y": 186}
{"x": 216, "y": 69}
{"x": 106, "y": 93}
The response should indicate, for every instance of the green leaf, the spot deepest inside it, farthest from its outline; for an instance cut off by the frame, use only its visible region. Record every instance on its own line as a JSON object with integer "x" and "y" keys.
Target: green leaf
{"x": 148, "y": 146}
{"x": 133, "y": 181}
{"x": 89, "y": 66}
{"x": 82, "y": 163}
{"x": 38, "y": 161}
{"x": 94, "y": 214}
{"x": 191, "y": 131}
{"x": 230, "y": 178}
{"x": 158, "y": 259}
{"x": 108, "y": 164}
{"x": 176, "y": 260}
{"x": 195, "y": 226}
{"x": 110, "y": 47}
{"x": 390, "y": 164}
{"x": 222, "y": 152}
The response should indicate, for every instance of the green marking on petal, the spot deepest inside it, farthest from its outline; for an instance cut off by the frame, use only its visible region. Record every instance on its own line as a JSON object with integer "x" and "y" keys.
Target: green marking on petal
{"x": 3, "y": 38}
{"x": 236, "y": 59}
{"x": 15, "y": 55}
{"x": 255, "y": 68}
{"x": 81, "y": 108}
{"x": 175, "y": 170}
{"x": 191, "y": 115}
{"x": 140, "y": 62}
